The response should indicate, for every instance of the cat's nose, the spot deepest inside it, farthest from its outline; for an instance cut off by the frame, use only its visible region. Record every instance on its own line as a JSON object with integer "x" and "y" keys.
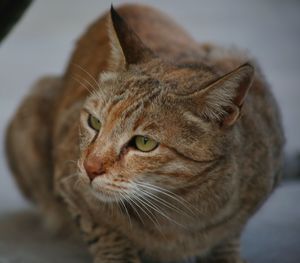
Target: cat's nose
{"x": 94, "y": 167}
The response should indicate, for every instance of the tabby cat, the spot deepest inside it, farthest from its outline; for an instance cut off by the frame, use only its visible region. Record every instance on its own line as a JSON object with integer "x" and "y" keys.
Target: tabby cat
{"x": 156, "y": 147}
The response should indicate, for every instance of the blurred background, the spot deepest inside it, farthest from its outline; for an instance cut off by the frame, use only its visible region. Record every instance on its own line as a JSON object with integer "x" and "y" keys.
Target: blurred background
{"x": 41, "y": 44}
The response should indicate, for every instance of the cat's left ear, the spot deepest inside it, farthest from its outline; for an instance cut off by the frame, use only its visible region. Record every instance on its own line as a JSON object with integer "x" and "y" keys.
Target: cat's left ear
{"x": 222, "y": 100}
{"x": 126, "y": 47}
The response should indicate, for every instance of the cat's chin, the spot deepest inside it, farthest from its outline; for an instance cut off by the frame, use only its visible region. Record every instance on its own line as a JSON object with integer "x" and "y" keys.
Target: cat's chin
{"x": 105, "y": 196}
{"x": 107, "y": 191}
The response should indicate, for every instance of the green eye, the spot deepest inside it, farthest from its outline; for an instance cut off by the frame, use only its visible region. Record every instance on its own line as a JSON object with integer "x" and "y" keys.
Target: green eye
{"x": 94, "y": 123}
{"x": 144, "y": 143}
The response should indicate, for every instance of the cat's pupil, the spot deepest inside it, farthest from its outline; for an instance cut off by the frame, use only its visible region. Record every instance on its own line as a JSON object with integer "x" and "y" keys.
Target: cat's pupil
{"x": 145, "y": 140}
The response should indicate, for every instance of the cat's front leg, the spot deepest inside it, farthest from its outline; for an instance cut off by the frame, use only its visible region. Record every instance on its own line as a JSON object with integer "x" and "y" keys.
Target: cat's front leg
{"x": 109, "y": 246}
{"x": 105, "y": 244}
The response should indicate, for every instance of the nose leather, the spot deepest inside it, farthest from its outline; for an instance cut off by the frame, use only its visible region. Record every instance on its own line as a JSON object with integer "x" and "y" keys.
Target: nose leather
{"x": 94, "y": 167}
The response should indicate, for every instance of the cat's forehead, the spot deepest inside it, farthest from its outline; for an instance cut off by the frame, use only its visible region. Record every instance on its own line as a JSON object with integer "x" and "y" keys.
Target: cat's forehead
{"x": 169, "y": 78}
{"x": 124, "y": 84}
{"x": 149, "y": 89}
{"x": 125, "y": 97}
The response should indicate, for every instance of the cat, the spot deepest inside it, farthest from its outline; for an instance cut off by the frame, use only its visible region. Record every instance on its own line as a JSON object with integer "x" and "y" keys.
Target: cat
{"x": 155, "y": 147}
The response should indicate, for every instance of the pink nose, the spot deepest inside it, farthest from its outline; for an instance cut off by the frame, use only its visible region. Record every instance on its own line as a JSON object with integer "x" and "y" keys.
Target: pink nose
{"x": 94, "y": 167}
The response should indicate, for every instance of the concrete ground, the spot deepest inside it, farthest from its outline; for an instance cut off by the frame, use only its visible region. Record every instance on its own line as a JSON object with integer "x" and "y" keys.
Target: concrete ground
{"x": 41, "y": 44}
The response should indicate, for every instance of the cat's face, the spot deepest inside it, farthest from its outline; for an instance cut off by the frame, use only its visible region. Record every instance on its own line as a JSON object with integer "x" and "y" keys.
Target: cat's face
{"x": 135, "y": 135}
{"x": 154, "y": 128}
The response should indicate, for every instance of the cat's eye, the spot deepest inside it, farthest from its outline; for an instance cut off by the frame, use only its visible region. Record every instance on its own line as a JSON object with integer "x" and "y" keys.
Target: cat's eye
{"x": 94, "y": 123}
{"x": 144, "y": 144}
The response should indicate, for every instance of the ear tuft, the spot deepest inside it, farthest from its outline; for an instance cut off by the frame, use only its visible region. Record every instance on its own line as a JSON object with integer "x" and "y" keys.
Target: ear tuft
{"x": 224, "y": 98}
{"x": 221, "y": 101}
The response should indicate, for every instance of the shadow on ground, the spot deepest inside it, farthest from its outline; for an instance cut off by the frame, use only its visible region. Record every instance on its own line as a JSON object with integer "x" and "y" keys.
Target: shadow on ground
{"x": 23, "y": 239}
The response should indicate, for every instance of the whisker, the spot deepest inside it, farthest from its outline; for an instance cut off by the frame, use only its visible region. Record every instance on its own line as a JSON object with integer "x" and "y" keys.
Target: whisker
{"x": 79, "y": 183}
{"x": 170, "y": 194}
{"x": 90, "y": 88}
{"x": 155, "y": 208}
{"x": 116, "y": 203}
{"x": 99, "y": 90}
{"x": 68, "y": 177}
{"x": 74, "y": 178}
{"x": 129, "y": 200}
{"x": 83, "y": 85}
{"x": 87, "y": 82}
{"x": 122, "y": 202}
{"x": 70, "y": 162}
{"x": 162, "y": 189}
{"x": 89, "y": 74}
{"x": 154, "y": 219}
{"x": 164, "y": 202}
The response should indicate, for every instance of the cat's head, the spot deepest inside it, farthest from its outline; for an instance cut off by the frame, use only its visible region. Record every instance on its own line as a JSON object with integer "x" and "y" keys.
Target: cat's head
{"x": 155, "y": 127}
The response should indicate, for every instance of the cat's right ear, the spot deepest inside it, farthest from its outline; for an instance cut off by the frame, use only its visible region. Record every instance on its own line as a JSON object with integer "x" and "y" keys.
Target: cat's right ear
{"x": 126, "y": 47}
{"x": 222, "y": 100}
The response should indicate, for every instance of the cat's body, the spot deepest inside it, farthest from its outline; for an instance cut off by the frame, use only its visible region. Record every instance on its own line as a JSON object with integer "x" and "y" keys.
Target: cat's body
{"x": 215, "y": 183}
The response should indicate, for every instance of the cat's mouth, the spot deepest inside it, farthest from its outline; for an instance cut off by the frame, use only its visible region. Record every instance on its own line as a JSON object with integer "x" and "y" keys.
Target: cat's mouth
{"x": 108, "y": 191}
